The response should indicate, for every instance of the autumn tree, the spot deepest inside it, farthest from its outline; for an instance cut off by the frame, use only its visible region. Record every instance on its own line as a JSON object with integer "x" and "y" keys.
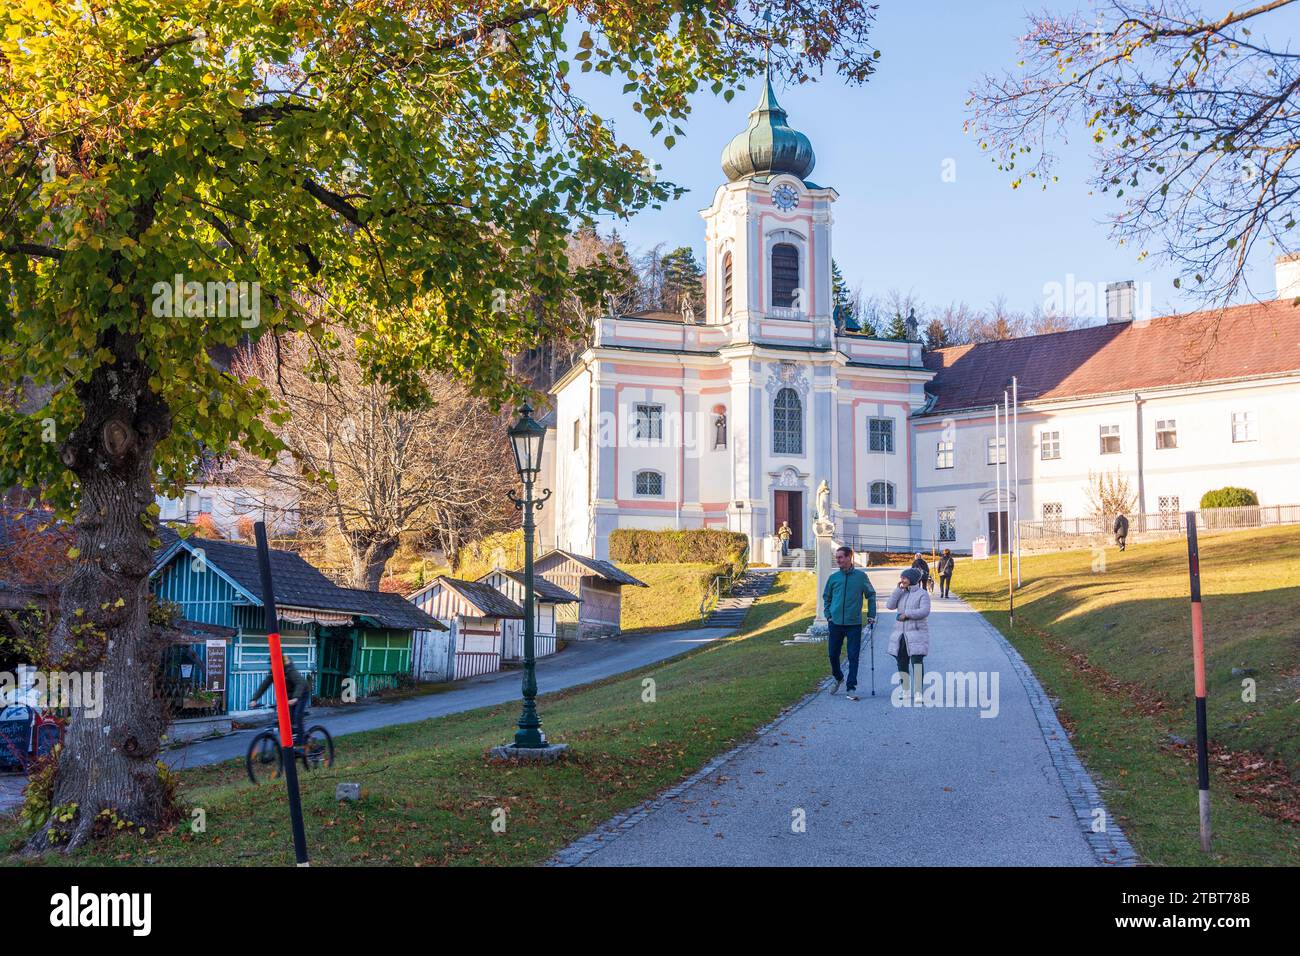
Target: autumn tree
{"x": 176, "y": 171}
{"x": 1192, "y": 118}
{"x": 373, "y": 471}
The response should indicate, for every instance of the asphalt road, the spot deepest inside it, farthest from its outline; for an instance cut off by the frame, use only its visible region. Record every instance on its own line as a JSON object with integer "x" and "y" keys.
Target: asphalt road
{"x": 838, "y": 782}
{"x": 579, "y": 663}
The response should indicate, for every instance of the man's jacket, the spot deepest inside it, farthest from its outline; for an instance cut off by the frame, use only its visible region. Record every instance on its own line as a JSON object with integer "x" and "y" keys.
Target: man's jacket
{"x": 294, "y": 683}
{"x": 842, "y": 597}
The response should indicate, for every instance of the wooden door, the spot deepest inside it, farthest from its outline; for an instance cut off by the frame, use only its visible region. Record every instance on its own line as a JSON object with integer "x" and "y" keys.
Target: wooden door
{"x": 788, "y": 506}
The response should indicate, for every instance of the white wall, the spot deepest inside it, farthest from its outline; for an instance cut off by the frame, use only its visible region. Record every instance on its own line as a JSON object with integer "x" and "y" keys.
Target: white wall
{"x": 1206, "y": 457}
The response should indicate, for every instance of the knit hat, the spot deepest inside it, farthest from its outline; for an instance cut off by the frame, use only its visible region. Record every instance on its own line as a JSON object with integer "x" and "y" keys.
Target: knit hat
{"x": 913, "y": 576}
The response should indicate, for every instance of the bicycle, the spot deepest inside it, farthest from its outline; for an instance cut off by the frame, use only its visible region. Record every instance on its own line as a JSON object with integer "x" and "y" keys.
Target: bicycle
{"x": 265, "y": 758}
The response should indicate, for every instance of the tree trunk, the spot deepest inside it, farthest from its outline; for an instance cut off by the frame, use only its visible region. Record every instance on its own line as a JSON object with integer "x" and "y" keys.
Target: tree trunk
{"x": 369, "y": 558}
{"x": 108, "y": 762}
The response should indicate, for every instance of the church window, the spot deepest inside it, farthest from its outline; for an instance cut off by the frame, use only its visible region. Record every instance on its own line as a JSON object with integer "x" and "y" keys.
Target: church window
{"x": 1110, "y": 440}
{"x": 577, "y": 433}
{"x": 1167, "y": 433}
{"x": 649, "y": 421}
{"x": 649, "y": 484}
{"x": 943, "y": 454}
{"x": 1053, "y": 513}
{"x": 947, "y": 524}
{"x": 726, "y": 284}
{"x": 785, "y": 275}
{"x": 787, "y": 423}
{"x": 880, "y": 432}
{"x": 882, "y": 494}
{"x": 1049, "y": 446}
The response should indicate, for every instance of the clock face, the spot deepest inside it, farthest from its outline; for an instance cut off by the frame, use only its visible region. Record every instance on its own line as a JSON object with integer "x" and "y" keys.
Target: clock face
{"x": 785, "y": 196}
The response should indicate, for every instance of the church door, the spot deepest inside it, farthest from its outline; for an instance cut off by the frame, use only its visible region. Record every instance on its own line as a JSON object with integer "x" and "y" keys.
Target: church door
{"x": 788, "y": 506}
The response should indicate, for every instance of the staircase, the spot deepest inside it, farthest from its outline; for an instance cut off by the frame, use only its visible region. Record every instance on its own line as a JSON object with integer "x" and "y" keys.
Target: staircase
{"x": 731, "y": 609}
{"x": 798, "y": 558}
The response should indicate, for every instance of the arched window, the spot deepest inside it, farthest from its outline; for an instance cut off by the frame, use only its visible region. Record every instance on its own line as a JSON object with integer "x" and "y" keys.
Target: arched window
{"x": 785, "y": 275}
{"x": 649, "y": 484}
{"x": 726, "y": 284}
{"x": 787, "y": 423}
{"x": 882, "y": 494}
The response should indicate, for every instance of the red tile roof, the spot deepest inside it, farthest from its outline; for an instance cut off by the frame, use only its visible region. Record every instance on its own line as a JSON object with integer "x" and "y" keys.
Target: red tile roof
{"x": 1250, "y": 341}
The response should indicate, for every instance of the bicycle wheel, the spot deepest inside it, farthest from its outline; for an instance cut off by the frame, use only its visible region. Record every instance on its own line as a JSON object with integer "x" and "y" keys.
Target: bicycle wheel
{"x": 264, "y": 760}
{"x": 318, "y": 748}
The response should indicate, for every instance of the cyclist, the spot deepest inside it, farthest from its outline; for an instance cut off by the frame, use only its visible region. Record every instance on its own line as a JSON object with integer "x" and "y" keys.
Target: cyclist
{"x": 299, "y": 689}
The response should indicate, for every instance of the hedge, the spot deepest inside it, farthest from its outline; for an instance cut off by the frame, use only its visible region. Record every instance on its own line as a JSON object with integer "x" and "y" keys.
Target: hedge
{"x": 1229, "y": 498}
{"x": 696, "y": 546}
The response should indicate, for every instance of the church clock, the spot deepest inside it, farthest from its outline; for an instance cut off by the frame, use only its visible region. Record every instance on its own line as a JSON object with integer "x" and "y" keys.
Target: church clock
{"x": 785, "y": 196}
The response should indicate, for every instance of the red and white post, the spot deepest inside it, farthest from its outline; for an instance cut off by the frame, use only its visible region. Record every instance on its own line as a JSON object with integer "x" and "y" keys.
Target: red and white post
{"x": 1198, "y": 664}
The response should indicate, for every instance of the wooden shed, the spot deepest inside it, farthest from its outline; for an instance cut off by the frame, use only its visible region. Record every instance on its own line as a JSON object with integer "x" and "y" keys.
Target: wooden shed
{"x": 476, "y": 614}
{"x": 599, "y": 587}
{"x": 344, "y": 639}
{"x": 547, "y": 599}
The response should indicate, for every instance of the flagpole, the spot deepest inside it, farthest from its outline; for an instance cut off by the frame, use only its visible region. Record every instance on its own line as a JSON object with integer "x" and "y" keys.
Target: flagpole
{"x": 997, "y": 484}
{"x": 1015, "y": 457}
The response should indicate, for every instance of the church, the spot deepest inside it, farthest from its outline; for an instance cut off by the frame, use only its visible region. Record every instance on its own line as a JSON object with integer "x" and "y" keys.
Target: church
{"x": 733, "y": 418}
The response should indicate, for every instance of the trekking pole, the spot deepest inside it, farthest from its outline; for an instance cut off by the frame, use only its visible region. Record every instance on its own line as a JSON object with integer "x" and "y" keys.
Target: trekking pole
{"x": 871, "y": 640}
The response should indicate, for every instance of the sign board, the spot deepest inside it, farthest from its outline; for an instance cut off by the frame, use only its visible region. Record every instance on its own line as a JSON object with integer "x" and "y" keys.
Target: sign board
{"x": 979, "y": 548}
{"x": 216, "y": 669}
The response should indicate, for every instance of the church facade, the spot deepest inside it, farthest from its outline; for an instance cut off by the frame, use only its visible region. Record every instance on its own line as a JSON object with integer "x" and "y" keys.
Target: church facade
{"x": 732, "y": 418}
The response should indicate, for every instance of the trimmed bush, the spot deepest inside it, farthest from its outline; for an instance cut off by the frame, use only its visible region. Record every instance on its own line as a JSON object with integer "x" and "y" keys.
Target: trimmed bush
{"x": 696, "y": 546}
{"x": 1229, "y": 498}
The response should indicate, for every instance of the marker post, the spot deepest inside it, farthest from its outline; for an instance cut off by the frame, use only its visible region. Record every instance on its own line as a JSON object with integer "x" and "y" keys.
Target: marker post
{"x": 290, "y": 753}
{"x": 1198, "y": 665}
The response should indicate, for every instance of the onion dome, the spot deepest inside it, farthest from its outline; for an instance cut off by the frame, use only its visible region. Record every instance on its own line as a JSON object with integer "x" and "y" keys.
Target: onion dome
{"x": 769, "y": 145}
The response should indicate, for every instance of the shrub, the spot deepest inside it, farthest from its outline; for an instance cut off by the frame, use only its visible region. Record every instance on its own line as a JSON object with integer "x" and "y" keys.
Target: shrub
{"x": 1229, "y": 498}
{"x": 205, "y": 526}
{"x": 696, "y": 546}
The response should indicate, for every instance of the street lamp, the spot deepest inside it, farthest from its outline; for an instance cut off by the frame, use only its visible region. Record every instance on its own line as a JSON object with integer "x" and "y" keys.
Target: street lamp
{"x": 526, "y": 439}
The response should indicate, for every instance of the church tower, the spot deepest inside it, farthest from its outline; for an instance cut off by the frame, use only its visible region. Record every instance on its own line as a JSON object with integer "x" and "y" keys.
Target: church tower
{"x": 768, "y": 236}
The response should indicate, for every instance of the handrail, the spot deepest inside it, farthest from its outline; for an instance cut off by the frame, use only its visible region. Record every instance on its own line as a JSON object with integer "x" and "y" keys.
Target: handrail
{"x": 723, "y": 583}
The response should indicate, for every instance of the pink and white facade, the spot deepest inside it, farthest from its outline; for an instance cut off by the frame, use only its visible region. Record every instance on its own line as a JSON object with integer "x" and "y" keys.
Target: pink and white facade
{"x": 731, "y": 419}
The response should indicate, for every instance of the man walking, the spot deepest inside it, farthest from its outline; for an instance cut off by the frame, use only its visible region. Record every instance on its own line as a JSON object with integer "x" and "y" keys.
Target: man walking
{"x": 842, "y": 603}
{"x": 1121, "y": 531}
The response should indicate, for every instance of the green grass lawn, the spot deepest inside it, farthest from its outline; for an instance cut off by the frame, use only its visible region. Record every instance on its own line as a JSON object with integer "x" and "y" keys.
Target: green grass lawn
{"x": 1115, "y": 646}
{"x": 672, "y": 599}
{"x": 430, "y": 794}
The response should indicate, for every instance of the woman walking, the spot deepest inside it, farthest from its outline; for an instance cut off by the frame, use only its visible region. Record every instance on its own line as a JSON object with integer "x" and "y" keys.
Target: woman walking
{"x": 945, "y": 572}
{"x": 910, "y": 639}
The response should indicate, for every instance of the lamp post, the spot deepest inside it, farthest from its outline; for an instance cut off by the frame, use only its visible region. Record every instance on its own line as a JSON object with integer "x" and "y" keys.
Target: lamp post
{"x": 526, "y": 439}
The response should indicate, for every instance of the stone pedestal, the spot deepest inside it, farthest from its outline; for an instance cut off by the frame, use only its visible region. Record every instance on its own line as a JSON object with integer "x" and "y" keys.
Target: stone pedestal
{"x": 825, "y": 564}
{"x": 548, "y": 754}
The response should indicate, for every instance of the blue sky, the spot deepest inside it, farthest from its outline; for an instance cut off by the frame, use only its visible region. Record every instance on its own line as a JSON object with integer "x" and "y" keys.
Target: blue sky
{"x": 882, "y": 146}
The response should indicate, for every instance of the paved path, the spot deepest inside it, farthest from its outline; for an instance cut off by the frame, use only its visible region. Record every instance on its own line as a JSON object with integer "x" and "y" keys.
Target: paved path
{"x": 579, "y": 663}
{"x": 878, "y": 785}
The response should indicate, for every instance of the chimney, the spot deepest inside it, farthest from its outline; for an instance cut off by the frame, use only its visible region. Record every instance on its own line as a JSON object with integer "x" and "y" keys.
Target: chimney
{"x": 1286, "y": 274}
{"x": 1119, "y": 301}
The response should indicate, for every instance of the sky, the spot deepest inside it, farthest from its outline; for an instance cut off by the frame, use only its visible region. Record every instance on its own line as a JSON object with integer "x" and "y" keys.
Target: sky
{"x": 884, "y": 147}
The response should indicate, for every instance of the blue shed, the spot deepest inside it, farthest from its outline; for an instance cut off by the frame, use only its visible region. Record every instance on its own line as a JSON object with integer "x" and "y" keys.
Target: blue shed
{"x": 333, "y": 634}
